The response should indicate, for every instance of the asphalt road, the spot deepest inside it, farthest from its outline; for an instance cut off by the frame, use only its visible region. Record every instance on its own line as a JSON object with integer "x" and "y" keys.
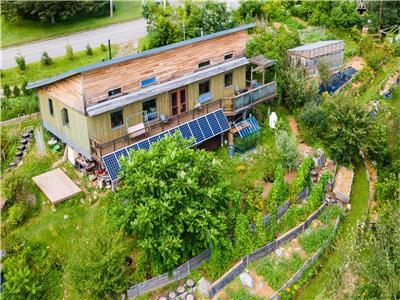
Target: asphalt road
{"x": 118, "y": 34}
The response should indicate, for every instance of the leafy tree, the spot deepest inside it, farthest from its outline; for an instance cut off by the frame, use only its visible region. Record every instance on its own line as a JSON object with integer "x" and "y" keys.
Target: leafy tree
{"x": 276, "y": 10}
{"x": 97, "y": 267}
{"x": 69, "y": 52}
{"x": 297, "y": 90}
{"x": 315, "y": 12}
{"x": 324, "y": 74}
{"x": 6, "y": 90}
{"x": 20, "y": 60}
{"x": 314, "y": 118}
{"x": 31, "y": 271}
{"x": 249, "y": 10}
{"x": 103, "y": 47}
{"x": 221, "y": 256}
{"x": 344, "y": 15}
{"x": 89, "y": 50}
{"x": 389, "y": 11}
{"x": 287, "y": 148}
{"x": 174, "y": 199}
{"x": 46, "y": 59}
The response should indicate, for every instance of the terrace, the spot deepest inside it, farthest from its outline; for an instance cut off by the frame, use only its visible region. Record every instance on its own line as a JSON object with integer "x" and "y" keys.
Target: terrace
{"x": 231, "y": 105}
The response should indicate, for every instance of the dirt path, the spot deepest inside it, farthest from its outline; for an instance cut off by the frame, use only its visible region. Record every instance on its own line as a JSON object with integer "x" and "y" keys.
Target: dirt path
{"x": 293, "y": 127}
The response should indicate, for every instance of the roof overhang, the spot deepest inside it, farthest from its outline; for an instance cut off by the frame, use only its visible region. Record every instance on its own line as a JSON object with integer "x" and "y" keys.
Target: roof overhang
{"x": 165, "y": 87}
{"x": 261, "y": 61}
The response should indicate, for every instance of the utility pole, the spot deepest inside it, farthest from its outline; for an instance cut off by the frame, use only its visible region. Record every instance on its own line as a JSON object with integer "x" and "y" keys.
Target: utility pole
{"x": 111, "y": 9}
{"x": 109, "y": 49}
{"x": 184, "y": 30}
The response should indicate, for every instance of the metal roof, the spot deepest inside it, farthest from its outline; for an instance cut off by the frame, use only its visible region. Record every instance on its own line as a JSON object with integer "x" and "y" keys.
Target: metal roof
{"x": 315, "y": 45}
{"x": 137, "y": 55}
{"x": 157, "y": 89}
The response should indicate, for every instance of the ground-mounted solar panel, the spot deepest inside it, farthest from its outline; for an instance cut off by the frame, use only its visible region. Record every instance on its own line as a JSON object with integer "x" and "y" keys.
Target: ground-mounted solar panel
{"x": 130, "y": 147}
{"x": 185, "y": 131}
{"x": 205, "y": 127}
{"x": 196, "y": 130}
{"x": 212, "y": 120}
{"x": 112, "y": 165}
{"x": 154, "y": 139}
{"x": 162, "y": 134}
{"x": 172, "y": 131}
{"x": 121, "y": 152}
{"x": 222, "y": 120}
{"x": 145, "y": 145}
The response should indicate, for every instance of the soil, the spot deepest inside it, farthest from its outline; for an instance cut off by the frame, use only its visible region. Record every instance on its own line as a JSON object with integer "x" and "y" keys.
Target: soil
{"x": 304, "y": 149}
{"x": 293, "y": 247}
{"x": 293, "y": 127}
{"x": 261, "y": 287}
{"x": 356, "y": 62}
{"x": 267, "y": 188}
{"x": 315, "y": 223}
{"x": 290, "y": 176}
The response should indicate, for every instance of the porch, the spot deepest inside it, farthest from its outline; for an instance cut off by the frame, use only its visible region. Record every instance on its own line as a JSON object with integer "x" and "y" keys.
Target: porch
{"x": 244, "y": 99}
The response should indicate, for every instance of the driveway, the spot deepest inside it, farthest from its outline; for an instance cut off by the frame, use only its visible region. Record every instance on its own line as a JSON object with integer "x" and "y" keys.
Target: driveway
{"x": 117, "y": 33}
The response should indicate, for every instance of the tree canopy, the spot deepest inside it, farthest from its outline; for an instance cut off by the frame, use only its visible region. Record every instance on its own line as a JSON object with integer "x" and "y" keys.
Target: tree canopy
{"x": 174, "y": 199}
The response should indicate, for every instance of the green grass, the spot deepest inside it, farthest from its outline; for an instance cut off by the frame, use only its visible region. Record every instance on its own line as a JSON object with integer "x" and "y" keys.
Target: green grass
{"x": 36, "y": 71}
{"x": 241, "y": 294}
{"x": 25, "y": 31}
{"x": 312, "y": 240}
{"x": 344, "y": 241}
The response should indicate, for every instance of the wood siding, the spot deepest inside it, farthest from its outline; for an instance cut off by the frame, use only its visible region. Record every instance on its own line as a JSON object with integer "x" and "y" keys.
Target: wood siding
{"x": 69, "y": 92}
{"x": 76, "y": 133}
{"x": 165, "y": 66}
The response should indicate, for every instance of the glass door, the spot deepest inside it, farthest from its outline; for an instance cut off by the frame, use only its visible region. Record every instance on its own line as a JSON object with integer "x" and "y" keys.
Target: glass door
{"x": 178, "y": 101}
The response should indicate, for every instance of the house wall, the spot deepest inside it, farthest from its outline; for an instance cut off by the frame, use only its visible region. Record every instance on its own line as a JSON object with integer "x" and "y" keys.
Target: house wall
{"x": 75, "y": 134}
{"x": 165, "y": 66}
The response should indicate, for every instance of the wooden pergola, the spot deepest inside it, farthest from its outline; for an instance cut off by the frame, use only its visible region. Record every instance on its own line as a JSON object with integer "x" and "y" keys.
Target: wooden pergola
{"x": 262, "y": 63}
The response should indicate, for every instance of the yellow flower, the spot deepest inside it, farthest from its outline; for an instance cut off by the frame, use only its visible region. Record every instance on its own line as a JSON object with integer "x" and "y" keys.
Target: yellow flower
{"x": 287, "y": 289}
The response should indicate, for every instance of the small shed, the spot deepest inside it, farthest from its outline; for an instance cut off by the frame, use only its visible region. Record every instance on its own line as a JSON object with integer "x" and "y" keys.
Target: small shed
{"x": 310, "y": 55}
{"x": 56, "y": 185}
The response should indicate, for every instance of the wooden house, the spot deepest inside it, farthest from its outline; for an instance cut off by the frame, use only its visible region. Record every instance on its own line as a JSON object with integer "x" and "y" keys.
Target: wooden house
{"x": 102, "y": 107}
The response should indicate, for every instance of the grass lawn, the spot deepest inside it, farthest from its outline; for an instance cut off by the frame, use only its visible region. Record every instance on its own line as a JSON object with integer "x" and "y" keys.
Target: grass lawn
{"x": 35, "y": 71}
{"x": 345, "y": 239}
{"x": 25, "y": 31}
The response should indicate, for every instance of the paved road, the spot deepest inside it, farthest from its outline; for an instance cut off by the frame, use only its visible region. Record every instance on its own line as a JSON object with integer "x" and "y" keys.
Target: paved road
{"x": 118, "y": 33}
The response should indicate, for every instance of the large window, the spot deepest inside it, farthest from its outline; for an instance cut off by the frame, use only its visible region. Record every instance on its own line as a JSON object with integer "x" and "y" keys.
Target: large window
{"x": 51, "y": 109}
{"x": 117, "y": 119}
{"x": 150, "y": 110}
{"x": 114, "y": 92}
{"x": 64, "y": 116}
{"x": 204, "y": 91}
{"x": 228, "y": 79}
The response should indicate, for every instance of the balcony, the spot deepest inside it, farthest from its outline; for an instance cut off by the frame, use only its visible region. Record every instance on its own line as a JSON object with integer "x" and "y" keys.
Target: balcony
{"x": 231, "y": 106}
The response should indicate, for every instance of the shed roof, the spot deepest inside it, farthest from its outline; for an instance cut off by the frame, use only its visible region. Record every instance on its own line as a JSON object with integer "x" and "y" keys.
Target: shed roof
{"x": 315, "y": 45}
{"x": 262, "y": 61}
{"x": 157, "y": 89}
{"x": 137, "y": 55}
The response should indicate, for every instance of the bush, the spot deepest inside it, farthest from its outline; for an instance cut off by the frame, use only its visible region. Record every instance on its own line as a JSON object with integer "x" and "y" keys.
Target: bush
{"x": 20, "y": 60}
{"x": 103, "y": 47}
{"x": 69, "y": 52}
{"x": 303, "y": 178}
{"x": 17, "y": 214}
{"x": 287, "y": 148}
{"x": 279, "y": 191}
{"x": 6, "y": 90}
{"x": 24, "y": 91}
{"x": 89, "y": 50}
{"x": 375, "y": 57}
{"x": 314, "y": 239}
{"x": 14, "y": 107}
{"x": 46, "y": 59}
{"x": 16, "y": 91}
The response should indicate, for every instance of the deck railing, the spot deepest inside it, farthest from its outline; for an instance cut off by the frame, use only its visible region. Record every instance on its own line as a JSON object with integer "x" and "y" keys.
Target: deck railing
{"x": 231, "y": 106}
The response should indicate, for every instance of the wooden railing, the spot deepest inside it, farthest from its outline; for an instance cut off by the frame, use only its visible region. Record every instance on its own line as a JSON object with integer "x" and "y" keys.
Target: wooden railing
{"x": 231, "y": 106}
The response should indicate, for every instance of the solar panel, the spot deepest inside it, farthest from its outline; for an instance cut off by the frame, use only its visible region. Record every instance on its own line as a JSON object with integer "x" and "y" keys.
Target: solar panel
{"x": 145, "y": 145}
{"x": 247, "y": 127}
{"x": 134, "y": 147}
{"x": 171, "y": 132}
{"x": 112, "y": 165}
{"x": 212, "y": 120}
{"x": 197, "y": 133}
{"x": 154, "y": 139}
{"x": 222, "y": 120}
{"x": 162, "y": 134}
{"x": 205, "y": 127}
{"x": 121, "y": 152}
{"x": 185, "y": 131}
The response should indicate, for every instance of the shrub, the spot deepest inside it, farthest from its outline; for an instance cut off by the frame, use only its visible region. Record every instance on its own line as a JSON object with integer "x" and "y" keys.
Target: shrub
{"x": 6, "y": 90}
{"x": 16, "y": 91}
{"x": 46, "y": 59}
{"x": 89, "y": 50}
{"x": 69, "y": 52}
{"x": 243, "y": 236}
{"x": 103, "y": 47}
{"x": 287, "y": 148}
{"x": 303, "y": 178}
{"x": 24, "y": 91}
{"x": 14, "y": 107}
{"x": 318, "y": 193}
{"x": 221, "y": 256}
{"x": 375, "y": 57}
{"x": 279, "y": 191}
{"x": 20, "y": 60}
{"x": 17, "y": 214}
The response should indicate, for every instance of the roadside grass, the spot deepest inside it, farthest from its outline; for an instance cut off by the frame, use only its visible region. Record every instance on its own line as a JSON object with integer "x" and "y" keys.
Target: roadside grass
{"x": 335, "y": 260}
{"x": 36, "y": 71}
{"x": 25, "y": 31}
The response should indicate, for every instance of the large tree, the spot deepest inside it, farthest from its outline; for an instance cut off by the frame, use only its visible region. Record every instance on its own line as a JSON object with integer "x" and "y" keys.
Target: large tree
{"x": 174, "y": 199}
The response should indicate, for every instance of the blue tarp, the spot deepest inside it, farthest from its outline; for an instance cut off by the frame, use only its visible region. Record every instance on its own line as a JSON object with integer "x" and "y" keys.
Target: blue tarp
{"x": 338, "y": 80}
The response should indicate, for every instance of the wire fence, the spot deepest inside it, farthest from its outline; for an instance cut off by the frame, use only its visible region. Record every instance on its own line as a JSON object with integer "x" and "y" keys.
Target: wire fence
{"x": 297, "y": 276}
{"x": 262, "y": 252}
{"x": 184, "y": 270}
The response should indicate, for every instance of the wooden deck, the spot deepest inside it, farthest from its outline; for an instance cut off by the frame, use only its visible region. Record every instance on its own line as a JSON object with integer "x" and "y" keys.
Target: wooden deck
{"x": 56, "y": 185}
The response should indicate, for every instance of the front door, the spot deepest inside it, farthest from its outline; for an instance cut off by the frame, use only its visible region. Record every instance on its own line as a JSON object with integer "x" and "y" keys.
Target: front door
{"x": 178, "y": 102}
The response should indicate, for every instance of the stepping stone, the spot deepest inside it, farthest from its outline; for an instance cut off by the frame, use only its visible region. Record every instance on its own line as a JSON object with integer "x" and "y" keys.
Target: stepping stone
{"x": 21, "y": 148}
{"x": 26, "y": 135}
{"x": 171, "y": 295}
{"x": 189, "y": 297}
{"x": 279, "y": 252}
{"x": 180, "y": 289}
{"x": 203, "y": 287}
{"x": 162, "y": 298}
{"x": 246, "y": 279}
{"x": 19, "y": 154}
{"x": 24, "y": 141}
{"x": 190, "y": 283}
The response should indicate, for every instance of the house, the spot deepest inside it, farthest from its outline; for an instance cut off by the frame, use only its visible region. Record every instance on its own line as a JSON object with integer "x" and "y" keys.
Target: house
{"x": 103, "y": 107}
{"x": 311, "y": 55}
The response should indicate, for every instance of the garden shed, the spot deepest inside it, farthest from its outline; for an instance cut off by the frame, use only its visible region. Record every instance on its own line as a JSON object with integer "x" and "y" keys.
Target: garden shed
{"x": 310, "y": 55}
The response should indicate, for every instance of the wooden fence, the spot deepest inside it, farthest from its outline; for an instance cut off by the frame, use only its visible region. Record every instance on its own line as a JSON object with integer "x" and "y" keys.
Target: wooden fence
{"x": 20, "y": 119}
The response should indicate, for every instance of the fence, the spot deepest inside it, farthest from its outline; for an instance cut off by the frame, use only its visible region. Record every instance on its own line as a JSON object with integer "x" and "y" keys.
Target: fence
{"x": 184, "y": 270}
{"x": 261, "y": 252}
{"x": 20, "y": 119}
{"x": 308, "y": 263}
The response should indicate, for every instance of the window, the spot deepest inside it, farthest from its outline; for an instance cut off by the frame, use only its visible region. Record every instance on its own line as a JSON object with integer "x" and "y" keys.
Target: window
{"x": 51, "y": 109}
{"x": 114, "y": 92}
{"x": 64, "y": 116}
{"x": 204, "y": 91}
{"x": 204, "y": 64}
{"x": 228, "y": 79}
{"x": 146, "y": 82}
{"x": 117, "y": 119}
{"x": 228, "y": 56}
{"x": 150, "y": 110}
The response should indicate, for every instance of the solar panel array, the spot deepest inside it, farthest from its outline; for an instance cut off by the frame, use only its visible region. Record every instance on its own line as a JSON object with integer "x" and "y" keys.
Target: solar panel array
{"x": 247, "y": 127}
{"x": 201, "y": 129}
